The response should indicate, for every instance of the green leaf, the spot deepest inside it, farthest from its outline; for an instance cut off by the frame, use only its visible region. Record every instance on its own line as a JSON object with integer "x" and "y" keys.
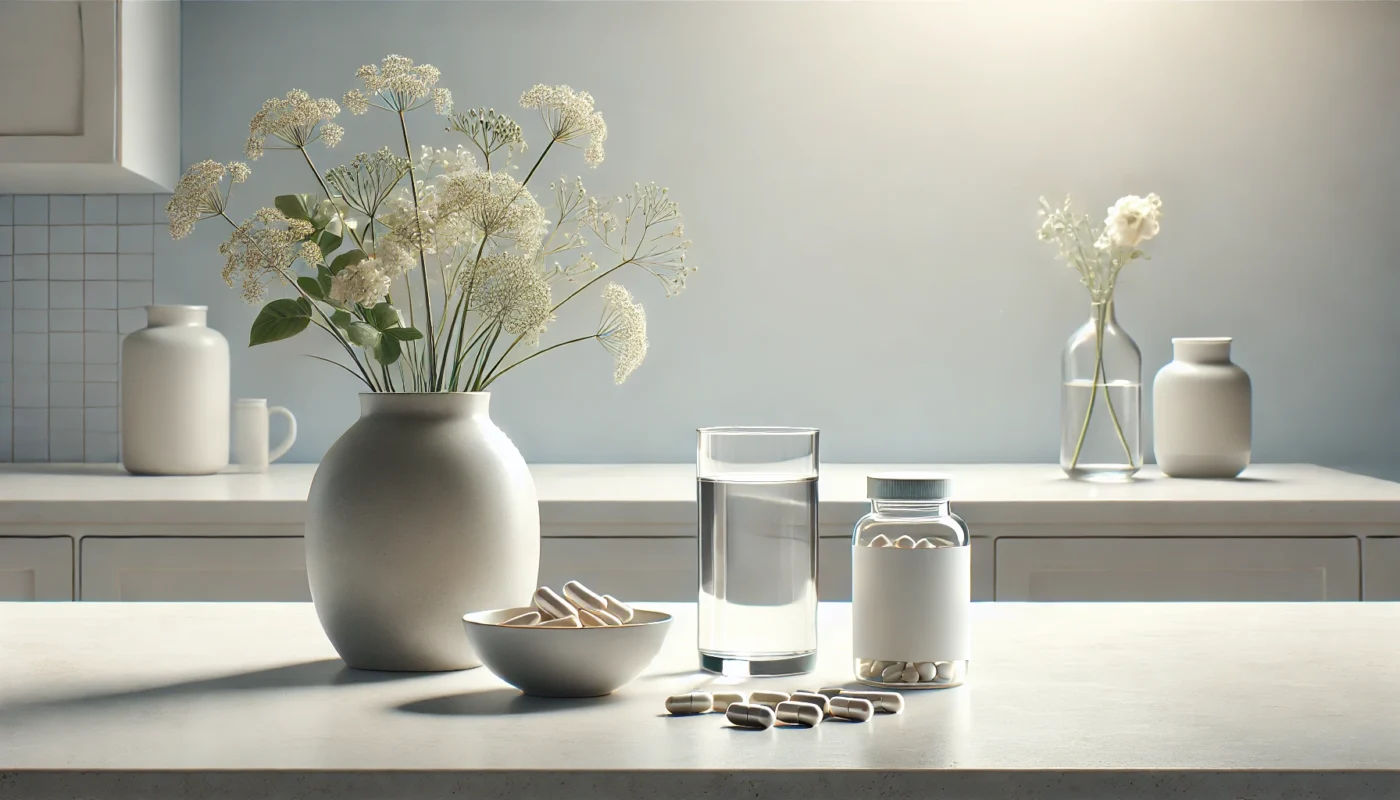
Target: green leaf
{"x": 403, "y": 334}
{"x": 323, "y": 277}
{"x": 362, "y": 334}
{"x": 324, "y": 215}
{"x": 387, "y": 351}
{"x": 345, "y": 259}
{"x": 328, "y": 242}
{"x": 342, "y": 319}
{"x": 312, "y": 287}
{"x": 280, "y": 319}
{"x": 294, "y": 206}
{"x": 384, "y": 316}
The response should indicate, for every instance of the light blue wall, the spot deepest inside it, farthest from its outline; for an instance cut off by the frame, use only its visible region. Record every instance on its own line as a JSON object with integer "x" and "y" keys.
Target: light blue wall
{"x": 860, "y": 181}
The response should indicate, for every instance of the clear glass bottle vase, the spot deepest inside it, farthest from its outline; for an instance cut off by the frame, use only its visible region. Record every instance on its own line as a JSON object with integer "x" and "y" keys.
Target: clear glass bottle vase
{"x": 1101, "y": 400}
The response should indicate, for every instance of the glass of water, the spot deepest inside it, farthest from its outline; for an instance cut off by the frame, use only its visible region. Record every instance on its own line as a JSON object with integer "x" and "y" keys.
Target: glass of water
{"x": 757, "y": 492}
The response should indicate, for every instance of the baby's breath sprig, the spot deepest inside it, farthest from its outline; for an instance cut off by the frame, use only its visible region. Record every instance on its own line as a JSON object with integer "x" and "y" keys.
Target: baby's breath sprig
{"x": 489, "y": 131}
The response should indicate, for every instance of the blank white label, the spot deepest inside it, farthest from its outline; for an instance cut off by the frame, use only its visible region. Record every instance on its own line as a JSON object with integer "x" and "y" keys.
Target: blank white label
{"x": 911, "y": 605}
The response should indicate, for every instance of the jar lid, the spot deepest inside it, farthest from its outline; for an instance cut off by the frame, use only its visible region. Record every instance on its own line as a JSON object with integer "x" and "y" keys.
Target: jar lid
{"x": 908, "y": 486}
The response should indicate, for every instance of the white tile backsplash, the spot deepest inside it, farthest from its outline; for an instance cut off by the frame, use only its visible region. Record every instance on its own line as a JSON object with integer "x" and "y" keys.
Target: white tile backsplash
{"x": 76, "y": 272}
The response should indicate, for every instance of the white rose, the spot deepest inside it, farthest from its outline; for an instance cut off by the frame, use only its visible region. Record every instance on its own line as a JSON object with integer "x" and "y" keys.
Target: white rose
{"x": 1131, "y": 221}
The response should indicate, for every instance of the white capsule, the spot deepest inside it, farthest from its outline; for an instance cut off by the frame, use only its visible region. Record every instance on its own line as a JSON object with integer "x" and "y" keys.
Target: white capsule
{"x": 596, "y": 619}
{"x": 881, "y": 540}
{"x": 819, "y": 700}
{"x": 618, "y": 608}
{"x": 693, "y": 703}
{"x": 880, "y": 666}
{"x": 910, "y": 674}
{"x": 804, "y": 714}
{"x": 770, "y": 699}
{"x": 927, "y": 669}
{"x": 830, "y": 691}
{"x": 904, "y": 543}
{"x": 945, "y": 670}
{"x": 583, "y": 597}
{"x": 886, "y": 702}
{"x": 852, "y": 708}
{"x": 892, "y": 673}
{"x": 561, "y": 622}
{"x": 551, "y": 605}
{"x": 925, "y": 544}
{"x": 750, "y": 716}
{"x": 524, "y": 620}
{"x": 723, "y": 700}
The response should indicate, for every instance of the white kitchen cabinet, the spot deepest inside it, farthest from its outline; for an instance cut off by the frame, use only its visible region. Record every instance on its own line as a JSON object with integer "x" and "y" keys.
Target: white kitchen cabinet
{"x": 189, "y": 569}
{"x": 36, "y": 568}
{"x": 91, "y": 96}
{"x": 1381, "y": 559}
{"x": 1184, "y": 569}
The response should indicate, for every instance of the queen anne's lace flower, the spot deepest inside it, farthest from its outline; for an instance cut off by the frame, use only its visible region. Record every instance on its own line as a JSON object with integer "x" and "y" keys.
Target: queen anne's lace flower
{"x": 569, "y": 115}
{"x": 512, "y": 292}
{"x": 260, "y": 250}
{"x": 296, "y": 119}
{"x": 494, "y": 206}
{"x": 1131, "y": 221}
{"x": 398, "y": 85}
{"x": 368, "y": 180}
{"x": 310, "y": 252}
{"x": 198, "y": 195}
{"x": 395, "y": 259}
{"x": 489, "y": 131}
{"x": 623, "y": 331}
{"x": 364, "y": 283}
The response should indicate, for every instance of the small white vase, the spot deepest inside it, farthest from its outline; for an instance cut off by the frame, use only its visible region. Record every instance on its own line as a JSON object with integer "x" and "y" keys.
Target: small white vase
{"x": 1201, "y": 411}
{"x": 174, "y": 394}
{"x": 421, "y": 512}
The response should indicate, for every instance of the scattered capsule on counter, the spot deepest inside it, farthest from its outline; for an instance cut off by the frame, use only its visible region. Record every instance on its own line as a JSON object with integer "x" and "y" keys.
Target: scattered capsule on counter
{"x": 747, "y": 715}
{"x": 857, "y": 709}
{"x": 693, "y": 703}
{"x": 584, "y": 597}
{"x": 819, "y": 700}
{"x": 723, "y": 700}
{"x": 830, "y": 691}
{"x": 617, "y": 608}
{"x": 551, "y": 605}
{"x": 805, "y": 714}
{"x": 884, "y": 702}
{"x": 561, "y": 622}
{"x": 528, "y": 618}
{"x": 770, "y": 699}
{"x": 597, "y": 618}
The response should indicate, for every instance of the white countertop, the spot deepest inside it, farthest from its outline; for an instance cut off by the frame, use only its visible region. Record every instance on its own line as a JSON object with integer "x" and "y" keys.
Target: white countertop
{"x": 1064, "y": 700}
{"x": 665, "y": 494}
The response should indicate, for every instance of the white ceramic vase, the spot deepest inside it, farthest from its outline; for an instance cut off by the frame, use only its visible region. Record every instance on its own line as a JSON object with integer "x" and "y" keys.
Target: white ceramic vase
{"x": 421, "y": 512}
{"x": 174, "y": 394}
{"x": 1201, "y": 411}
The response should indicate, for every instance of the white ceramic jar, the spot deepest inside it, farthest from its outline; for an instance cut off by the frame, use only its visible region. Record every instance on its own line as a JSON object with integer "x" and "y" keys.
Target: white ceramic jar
{"x": 1201, "y": 411}
{"x": 175, "y": 394}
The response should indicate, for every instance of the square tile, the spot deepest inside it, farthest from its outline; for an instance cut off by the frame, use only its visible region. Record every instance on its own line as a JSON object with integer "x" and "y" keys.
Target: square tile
{"x": 65, "y": 445}
{"x": 7, "y": 240}
{"x": 100, "y": 447}
{"x": 65, "y": 209}
{"x": 135, "y": 266}
{"x": 66, "y": 267}
{"x": 134, "y": 294}
{"x": 131, "y": 319}
{"x": 7, "y": 268}
{"x": 135, "y": 238}
{"x": 100, "y": 294}
{"x": 7, "y": 324}
{"x": 66, "y": 394}
{"x": 31, "y": 395}
{"x": 31, "y": 239}
{"x": 31, "y": 209}
{"x": 100, "y": 209}
{"x": 7, "y": 209}
{"x": 29, "y": 321}
{"x": 65, "y": 238}
{"x": 102, "y": 266}
{"x": 66, "y": 294}
{"x": 99, "y": 321}
{"x": 31, "y": 268}
{"x": 32, "y": 294}
{"x": 103, "y": 420}
{"x": 99, "y": 238}
{"x": 31, "y": 446}
{"x": 31, "y": 348}
{"x": 100, "y": 395}
{"x": 7, "y": 294}
{"x": 66, "y": 320}
{"x": 102, "y": 348}
{"x": 100, "y": 373}
{"x": 65, "y": 372}
{"x": 37, "y": 418}
{"x": 66, "y": 347}
{"x": 135, "y": 208}
{"x": 65, "y": 419}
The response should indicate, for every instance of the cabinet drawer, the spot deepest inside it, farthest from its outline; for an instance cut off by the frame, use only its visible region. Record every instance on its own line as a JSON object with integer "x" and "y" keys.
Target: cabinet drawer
{"x": 1382, "y": 565}
{"x": 37, "y": 568}
{"x": 171, "y": 569}
{"x": 1216, "y": 569}
{"x": 629, "y": 568}
{"x": 834, "y": 569}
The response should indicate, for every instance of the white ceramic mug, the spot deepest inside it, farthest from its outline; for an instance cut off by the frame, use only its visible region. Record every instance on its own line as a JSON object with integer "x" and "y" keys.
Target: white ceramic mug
{"x": 250, "y": 431}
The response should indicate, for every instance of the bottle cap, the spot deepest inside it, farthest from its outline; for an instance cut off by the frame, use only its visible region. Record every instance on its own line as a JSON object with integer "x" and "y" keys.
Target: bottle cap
{"x": 913, "y": 486}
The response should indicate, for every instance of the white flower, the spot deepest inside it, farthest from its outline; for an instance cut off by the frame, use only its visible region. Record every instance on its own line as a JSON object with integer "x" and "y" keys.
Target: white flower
{"x": 364, "y": 283}
{"x": 260, "y": 250}
{"x": 399, "y": 85}
{"x": 1131, "y": 221}
{"x": 623, "y": 331}
{"x": 513, "y": 293}
{"x": 491, "y": 205}
{"x": 569, "y": 115}
{"x": 297, "y": 120}
{"x": 198, "y": 195}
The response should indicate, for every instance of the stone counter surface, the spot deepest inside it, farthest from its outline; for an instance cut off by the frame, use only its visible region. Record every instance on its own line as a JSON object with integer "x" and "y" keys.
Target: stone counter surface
{"x": 216, "y": 701}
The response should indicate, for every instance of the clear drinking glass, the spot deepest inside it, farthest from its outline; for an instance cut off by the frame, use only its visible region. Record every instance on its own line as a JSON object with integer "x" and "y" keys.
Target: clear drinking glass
{"x": 1101, "y": 422}
{"x": 757, "y": 493}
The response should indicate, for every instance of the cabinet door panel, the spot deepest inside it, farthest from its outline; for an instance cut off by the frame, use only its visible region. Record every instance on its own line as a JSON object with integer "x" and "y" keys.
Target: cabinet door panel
{"x": 629, "y": 568}
{"x": 172, "y": 569}
{"x": 39, "y": 568}
{"x": 1382, "y": 564}
{"x": 1185, "y": 569}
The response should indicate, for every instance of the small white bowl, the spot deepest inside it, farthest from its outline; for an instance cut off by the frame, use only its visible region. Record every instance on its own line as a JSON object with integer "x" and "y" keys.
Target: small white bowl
{"x": 566, "y": 662}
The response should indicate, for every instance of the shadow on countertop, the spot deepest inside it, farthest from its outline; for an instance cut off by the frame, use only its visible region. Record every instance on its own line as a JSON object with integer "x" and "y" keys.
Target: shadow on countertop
{"x": 495, "y": 702}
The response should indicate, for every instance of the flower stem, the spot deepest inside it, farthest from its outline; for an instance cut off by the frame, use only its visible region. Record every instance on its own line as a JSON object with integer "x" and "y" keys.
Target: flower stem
{"x": 434, "y": 378}
{"x": 535, "y": 354}
{"x": 1100, "y": 371}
